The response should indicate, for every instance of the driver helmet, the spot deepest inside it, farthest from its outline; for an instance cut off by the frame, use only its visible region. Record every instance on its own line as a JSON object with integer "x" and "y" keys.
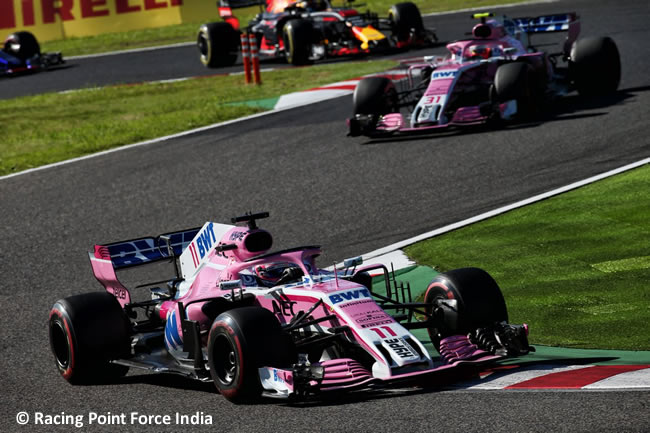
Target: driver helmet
{"x": 312, "y": 5}
{"x": 270, "y": 274}
{"x": 479, "y": 52}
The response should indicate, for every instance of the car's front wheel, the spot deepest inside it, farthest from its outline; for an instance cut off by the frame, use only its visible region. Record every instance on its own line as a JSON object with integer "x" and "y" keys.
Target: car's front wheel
{"x": 515, "y": 81}
{"x": 461, "y": 301}
{"x": 375, "y": 95}
{"x": 297, "y": 36}
{"x": 240, "y": 342}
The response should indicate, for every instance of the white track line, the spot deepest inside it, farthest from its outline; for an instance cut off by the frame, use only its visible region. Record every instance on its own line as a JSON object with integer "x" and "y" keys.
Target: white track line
{"x": 508, "y": 378}
{"x": 501, "y": 210}
{"x": 134, "y": 50}
{"x": 630, "y": 380}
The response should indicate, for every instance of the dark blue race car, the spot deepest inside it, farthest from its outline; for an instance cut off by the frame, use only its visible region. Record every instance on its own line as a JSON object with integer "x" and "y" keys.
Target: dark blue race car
{"x": 21, "y": 53}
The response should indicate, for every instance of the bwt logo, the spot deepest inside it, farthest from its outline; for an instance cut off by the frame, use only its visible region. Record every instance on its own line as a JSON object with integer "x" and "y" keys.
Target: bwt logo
{"x": 443, "y": 74}
{"x": 349, "y": 295}
{"x": 69, "y": 10}
{"x": 206, "y": 239}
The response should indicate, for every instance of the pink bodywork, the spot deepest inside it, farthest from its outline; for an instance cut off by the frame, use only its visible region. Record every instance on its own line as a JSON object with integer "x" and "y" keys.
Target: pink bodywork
{"x": 398, "y": 354}
{"x": 463, "y": 66}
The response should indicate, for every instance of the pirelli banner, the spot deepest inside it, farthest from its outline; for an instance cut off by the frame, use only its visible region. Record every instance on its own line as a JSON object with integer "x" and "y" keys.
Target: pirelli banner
{"x": 59, "y": 19}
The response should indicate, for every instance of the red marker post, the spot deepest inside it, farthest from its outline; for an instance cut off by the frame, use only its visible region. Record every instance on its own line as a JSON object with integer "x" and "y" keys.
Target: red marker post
{"x": 245, "y": 55}
{"x": 255, "y": 58}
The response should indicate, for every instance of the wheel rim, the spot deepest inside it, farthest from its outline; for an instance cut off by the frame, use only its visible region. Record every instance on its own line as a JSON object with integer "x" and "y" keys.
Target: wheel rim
{"x": 225, "y": 360}
{"x": 287, "y": 46}
{"x": 203, "y": 45}
{"x": 60, "y": 345}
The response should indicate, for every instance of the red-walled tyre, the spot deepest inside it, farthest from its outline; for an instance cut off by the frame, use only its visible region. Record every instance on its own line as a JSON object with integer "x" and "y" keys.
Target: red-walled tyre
{"x": 241, "y": 341}
{"x": 479, "y": 303}
{"x": 86, "y": 332}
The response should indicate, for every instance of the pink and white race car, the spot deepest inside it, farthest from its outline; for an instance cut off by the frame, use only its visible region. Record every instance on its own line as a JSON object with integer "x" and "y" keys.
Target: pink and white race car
{"x": 496, "y": 75}
{"x": 261, "y": 323}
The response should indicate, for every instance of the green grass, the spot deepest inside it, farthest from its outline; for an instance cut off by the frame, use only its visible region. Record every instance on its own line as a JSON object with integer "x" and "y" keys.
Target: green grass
{"x": 576, "y": 267}
{"x": 187, "y": 32}
{"x": 47, "y": 128}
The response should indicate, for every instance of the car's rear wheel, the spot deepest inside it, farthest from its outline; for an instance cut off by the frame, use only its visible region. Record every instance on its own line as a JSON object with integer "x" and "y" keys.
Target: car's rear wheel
{"x": 218, "y": 44}
{"x": 461, "y": 301}
{"x": 375, "y": 95}
{"x": 595, "y": 66}
{"x": 297, "y": 35}
{"x": 405, "y": 18}
{"x": 240, "y": 342}
{"x": 86, "y": 332}
{"x": 22, "y": 45}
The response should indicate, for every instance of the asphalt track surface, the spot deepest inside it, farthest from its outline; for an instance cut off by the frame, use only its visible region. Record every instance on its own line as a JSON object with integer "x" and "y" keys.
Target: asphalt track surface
{"x": 350, "y": 195}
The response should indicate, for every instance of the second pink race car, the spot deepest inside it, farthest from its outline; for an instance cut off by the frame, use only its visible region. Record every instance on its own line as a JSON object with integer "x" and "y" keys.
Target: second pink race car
{"x": 495, "y": 75}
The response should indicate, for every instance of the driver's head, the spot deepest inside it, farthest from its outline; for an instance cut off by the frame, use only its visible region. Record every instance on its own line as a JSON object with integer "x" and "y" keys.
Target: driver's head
{"x": 270, "y": 274}
{"x": 479, "y": 52}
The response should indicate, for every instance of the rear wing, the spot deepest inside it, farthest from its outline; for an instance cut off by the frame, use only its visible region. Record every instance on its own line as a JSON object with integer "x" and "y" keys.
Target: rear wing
{"x": 135, "y": 252}
{"x": 567, "y": 22}
{"x": 547, "y": 23}
{"x": 106, "y": 259}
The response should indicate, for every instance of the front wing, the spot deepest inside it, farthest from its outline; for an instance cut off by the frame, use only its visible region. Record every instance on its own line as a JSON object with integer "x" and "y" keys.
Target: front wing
{"x": 377, "y": 126}
{"x": 347, "y": 374}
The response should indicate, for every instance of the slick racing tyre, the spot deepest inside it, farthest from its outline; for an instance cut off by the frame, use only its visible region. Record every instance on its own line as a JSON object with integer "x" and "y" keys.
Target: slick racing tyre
{"x": 297, "y": 36}
{"x": 513, "y": 81}
{"x": 595, "y": 66}
{"x": 86, "y": 332}
{"x": 405, "y": 17}
{"x": 375, "y": 95}
{"x": 241, "y": 341}
{"x": 218, "y": 44}
{"x": 22, "y": 45}
{"x": 479, "y": 303}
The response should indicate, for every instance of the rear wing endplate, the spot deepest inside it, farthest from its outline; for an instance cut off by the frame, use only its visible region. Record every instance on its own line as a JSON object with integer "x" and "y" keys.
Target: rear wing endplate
{"x": 135, "y": 252}
{"x": 547, "y": 23}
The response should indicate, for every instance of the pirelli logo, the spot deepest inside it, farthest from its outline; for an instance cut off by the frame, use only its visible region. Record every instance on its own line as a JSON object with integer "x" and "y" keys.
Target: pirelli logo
{"x": 25, "y": 13}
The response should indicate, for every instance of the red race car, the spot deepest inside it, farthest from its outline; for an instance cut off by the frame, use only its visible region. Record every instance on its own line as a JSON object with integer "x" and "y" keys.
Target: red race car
{"x": 305, "y": 31}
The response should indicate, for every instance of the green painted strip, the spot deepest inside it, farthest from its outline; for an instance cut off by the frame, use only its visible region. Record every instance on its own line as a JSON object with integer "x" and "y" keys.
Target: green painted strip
{"x": 583, "y": 356}
{"x": 268, "y": 103}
